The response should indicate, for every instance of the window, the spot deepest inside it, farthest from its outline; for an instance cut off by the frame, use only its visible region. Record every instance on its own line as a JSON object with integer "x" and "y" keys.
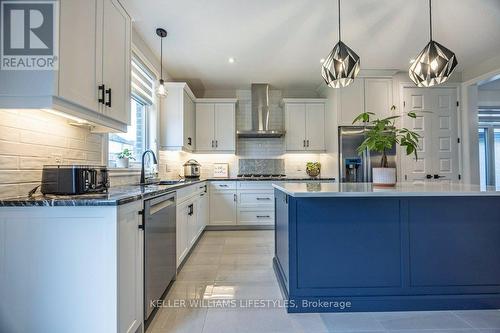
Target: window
{"x": 142, "y": 109}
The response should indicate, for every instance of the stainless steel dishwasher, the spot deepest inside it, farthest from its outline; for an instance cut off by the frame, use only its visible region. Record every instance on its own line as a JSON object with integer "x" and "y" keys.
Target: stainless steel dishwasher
{"x": 159, "y": 248}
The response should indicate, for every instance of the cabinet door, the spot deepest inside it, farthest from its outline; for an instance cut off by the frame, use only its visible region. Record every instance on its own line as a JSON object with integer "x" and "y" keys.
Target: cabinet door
{"x": 182, "y": 230}
{"x": 189, "y": 123}
{"x": 205, "y": 125}
{"x": 295, "y": 119}
{"x": 352, "y": 102}
{"x": 223, "y": 207}
{"x": 116, "y": 60}
{"x": 378, "y": 97}
{"x": 315, "y": 126}
{"x": 130, "y": 268}
{"x": 225, "y": 133}
{"x": 203, "y": 211}
{"x": 79, "y": 66}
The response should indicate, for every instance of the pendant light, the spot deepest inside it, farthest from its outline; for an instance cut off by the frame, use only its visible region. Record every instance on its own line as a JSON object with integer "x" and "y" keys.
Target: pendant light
{"x": 434, "y": 64}
{"x": 161, "y": 91}
{"x": 342, "y": 64}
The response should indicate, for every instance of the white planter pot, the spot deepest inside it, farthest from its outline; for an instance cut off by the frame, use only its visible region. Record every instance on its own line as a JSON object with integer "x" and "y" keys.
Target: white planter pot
{"x": 384, "y": 176}
{"x": 122, "y": 163}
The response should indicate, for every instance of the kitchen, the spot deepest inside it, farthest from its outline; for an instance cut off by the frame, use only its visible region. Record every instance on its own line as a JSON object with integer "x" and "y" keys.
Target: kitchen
{"x": 164, "y": 154}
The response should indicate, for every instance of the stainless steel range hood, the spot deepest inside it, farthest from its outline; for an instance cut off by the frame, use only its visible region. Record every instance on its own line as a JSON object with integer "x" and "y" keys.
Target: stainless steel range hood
{"x": 260, "y": 115}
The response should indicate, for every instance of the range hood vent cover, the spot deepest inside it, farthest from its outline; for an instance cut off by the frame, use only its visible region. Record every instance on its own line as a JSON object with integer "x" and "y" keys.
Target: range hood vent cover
{"x": 260, "y": 115}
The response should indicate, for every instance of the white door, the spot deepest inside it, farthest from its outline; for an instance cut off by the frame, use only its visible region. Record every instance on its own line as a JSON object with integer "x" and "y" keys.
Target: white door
{"x": 182, "y": 230}
{"x": 295, "y": 120}
{"x": 189, "y": 122}
{"x": 223, "y": 207}
{"x": 437, "y": 123}
{"x": 205, "y": 125}
{"x": 225, "y": 127}
{"x": 130, "y": 268}
{"x": 445, "y": 135}
{"x": 315, "y": 126}
{"x": 116, "y": 61}
{"x": 79, "y": 72}
{"x": 378, "y": 97}
{"x": 352, "y": 102}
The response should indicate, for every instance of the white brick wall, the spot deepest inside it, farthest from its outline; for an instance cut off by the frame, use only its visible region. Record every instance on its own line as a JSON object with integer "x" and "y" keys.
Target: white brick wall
{"x": 31, "y": 138}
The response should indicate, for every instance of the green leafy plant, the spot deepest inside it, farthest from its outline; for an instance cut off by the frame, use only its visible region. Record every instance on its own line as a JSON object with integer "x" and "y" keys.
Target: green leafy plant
{"x": 313, "y": 168}
{"x": 382, "y": 135}
{"x": 126, "y": 153}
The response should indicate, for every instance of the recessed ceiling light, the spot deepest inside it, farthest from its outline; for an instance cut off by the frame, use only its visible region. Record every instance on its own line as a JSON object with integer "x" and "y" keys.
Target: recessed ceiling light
{"x": 322, "y": 60}
{"x": 231, "y": 60}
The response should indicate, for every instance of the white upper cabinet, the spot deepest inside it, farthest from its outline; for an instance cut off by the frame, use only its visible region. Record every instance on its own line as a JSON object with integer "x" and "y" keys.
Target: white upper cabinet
{"x": 94, "y": 57}
{"x": 365, "y": 95}
{"x": 305, "y": 124}
{"x": 378, "y": 97}
{"x": 116, "y": 62}
{"x": 215, "y": 125}
{"x": 178, "y": 118}
{"x": 352, "y": 101}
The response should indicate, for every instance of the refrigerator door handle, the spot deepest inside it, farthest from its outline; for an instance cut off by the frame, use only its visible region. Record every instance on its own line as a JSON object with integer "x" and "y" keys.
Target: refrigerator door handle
{"x": 368, "y": 170}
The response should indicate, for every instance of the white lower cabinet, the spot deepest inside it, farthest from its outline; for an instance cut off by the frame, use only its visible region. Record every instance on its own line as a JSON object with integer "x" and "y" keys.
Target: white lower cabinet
{"x": 130, "y": 268}
{"x": 191, "y": 217}
{"x": 241, "y": 203}
{"x": 223, "y": 207}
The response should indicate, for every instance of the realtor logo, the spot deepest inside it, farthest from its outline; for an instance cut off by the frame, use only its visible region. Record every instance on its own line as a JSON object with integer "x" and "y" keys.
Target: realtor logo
{"x": 29, "y": 35}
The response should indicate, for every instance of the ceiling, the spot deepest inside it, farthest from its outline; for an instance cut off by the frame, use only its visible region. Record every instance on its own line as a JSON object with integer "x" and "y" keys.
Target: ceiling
{"x": 281, "y": 42}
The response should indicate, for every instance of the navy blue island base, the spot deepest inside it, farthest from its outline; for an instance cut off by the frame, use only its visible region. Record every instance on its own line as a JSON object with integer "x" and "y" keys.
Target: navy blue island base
{"x": 388, "y": 253}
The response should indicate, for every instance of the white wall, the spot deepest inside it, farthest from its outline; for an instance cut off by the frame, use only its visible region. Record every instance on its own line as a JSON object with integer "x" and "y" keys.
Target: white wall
{"x": 31, "y": 138}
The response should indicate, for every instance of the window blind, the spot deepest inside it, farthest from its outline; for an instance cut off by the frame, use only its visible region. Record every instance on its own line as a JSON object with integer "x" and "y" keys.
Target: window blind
{"x": 143, "y": 82}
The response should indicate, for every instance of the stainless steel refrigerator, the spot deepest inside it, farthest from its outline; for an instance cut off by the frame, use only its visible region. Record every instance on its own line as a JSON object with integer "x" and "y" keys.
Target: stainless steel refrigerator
{"x": 355, "y": 168}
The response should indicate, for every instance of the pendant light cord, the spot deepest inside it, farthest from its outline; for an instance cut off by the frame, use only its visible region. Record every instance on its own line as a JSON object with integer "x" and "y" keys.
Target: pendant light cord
{"x": 339, "y": 20}
{"x": 430, "y": 18}
{"x": 161, "y": 58}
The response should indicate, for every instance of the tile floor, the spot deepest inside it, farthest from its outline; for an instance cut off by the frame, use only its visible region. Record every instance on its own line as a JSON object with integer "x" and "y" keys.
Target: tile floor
{"x": 236, "y": 265}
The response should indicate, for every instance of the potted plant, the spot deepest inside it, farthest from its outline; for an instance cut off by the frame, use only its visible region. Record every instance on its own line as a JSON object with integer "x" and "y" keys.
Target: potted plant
{"x": 381, "y": 136}
{"x": 313, "y": 169}
{"x": 124, "y": 158}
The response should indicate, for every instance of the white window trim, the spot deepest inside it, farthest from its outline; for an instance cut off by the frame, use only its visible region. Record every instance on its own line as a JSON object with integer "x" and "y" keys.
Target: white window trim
{"x": 134, "y": 170}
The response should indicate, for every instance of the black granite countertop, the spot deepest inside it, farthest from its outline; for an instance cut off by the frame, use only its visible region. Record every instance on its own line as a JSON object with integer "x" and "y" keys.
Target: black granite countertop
{"x": 120, "y": 195}
{"x": 117, "y": 195}
{"x": 284, "y": 179}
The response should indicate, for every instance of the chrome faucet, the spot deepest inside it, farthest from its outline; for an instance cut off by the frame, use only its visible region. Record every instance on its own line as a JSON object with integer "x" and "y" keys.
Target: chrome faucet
{"x": 143, "y": 176}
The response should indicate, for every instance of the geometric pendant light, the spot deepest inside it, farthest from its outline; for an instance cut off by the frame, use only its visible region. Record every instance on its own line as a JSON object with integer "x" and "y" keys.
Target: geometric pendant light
{"x": 342, "y": 64}
{"x": 434, "y": 64}
{"x": 161, "y": 91}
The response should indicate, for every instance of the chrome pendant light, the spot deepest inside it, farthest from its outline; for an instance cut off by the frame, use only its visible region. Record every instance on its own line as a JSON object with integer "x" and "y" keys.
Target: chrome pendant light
{"x": 161, "y": 91}
{"x": 342, "y": 64}
{"x": 434, "y": 64}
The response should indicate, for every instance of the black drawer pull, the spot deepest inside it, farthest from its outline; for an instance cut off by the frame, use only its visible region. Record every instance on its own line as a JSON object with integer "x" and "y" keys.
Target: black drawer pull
{"x": 263, "y": 216}
{"x": 108, "y": 92}
{"x": 100, "y": 98}
{"x": 263, "y": 198}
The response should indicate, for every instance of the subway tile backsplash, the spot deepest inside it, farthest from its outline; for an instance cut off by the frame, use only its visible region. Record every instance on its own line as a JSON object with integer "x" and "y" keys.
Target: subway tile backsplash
{"x": 31, "y": 138}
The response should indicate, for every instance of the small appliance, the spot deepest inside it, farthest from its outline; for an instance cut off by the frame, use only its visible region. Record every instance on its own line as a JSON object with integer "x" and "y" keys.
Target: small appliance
{"x": 192, "y": 169}
{"x": 74, "y": 179}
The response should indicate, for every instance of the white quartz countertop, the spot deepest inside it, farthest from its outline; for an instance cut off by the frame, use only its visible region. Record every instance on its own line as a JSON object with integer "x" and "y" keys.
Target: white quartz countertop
{"x": 404, "y": 189}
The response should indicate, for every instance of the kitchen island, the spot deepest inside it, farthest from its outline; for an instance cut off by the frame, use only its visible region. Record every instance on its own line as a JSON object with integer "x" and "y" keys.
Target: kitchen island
{"x": 355, "y": 247}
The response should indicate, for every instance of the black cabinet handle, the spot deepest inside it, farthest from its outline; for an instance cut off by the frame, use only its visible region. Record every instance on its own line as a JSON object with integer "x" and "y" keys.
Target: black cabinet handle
{"x": 191, "y": 210}
{"x": 100, "y": 98}
{"x": 428, "y": 176}
{"x": 304, "y": 143}
{"x": 263, "y": 216}
{"x": 108, "y": 92}
{"x": 263, "y": 198}
{"x": 307, "y": 143}
{"x": 190, "y": 141}
{"x": 212, "y": 143}
{"x": 438, "y": 176}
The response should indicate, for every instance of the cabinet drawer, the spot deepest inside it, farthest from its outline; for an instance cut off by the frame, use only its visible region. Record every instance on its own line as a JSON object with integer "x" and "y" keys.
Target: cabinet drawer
{"x": 222, "y": 185}
{"x": 256, "y": 216}
{"x": 263, "y": 198}
{"x": 188, "y": 191}
{"x": 256, "y": 185}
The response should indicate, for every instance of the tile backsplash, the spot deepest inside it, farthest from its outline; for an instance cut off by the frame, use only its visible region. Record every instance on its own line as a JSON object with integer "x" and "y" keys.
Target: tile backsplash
{"x": 31, "y": 138}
